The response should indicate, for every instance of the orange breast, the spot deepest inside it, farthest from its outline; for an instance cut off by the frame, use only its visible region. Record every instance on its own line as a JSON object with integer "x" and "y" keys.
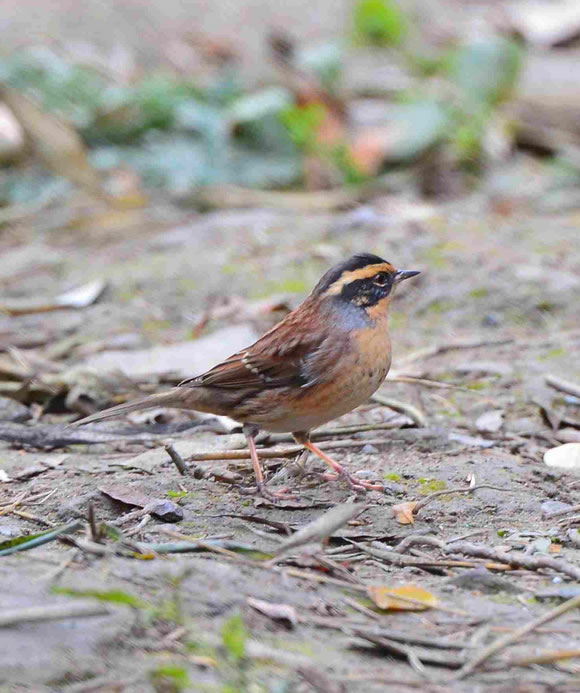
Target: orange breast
{"x": 349, "y": 383}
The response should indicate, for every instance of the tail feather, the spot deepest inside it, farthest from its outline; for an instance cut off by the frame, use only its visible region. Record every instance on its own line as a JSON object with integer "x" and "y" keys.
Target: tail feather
{"x": 171, "y": 398}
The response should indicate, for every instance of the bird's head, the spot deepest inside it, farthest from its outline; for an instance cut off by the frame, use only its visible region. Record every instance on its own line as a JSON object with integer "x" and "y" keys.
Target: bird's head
{"x": 366, "y": 281}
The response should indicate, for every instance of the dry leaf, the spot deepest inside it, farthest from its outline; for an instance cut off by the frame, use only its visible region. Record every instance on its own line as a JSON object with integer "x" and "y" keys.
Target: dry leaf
{"x": 82, "y": 296}
{"x": 277, "y": 612}
{"x": 403, "y": 513}
{"x": 565, "y": 456}
{"x": 56, "y": 142}
{"x": 386, "y": 598}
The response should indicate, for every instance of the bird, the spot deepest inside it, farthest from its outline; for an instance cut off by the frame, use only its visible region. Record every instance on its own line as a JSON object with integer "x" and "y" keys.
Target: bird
{"x": 321, "y": 361}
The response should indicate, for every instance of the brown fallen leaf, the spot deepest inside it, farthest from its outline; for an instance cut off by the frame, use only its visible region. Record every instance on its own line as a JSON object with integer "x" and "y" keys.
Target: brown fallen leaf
{"x": 56, "y": 143}
{"x": 403, "y": 513}
{"x": 77, "y": 298}
{"x": 165, "y": 510}
{"x": 402, "y": 598}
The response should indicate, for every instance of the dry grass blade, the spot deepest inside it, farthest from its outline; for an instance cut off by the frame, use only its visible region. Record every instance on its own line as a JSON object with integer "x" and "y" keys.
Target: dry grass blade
{"x": 415, "y": 414}
{"x": 562, "y": 385}
{"x": 507, "y": 640}
{"x": 322, "y": 527}
{"x": 57, "y": 612}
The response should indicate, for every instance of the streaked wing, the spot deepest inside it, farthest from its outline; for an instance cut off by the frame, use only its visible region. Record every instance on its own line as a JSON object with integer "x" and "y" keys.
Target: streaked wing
{"x": 272, "y": 362}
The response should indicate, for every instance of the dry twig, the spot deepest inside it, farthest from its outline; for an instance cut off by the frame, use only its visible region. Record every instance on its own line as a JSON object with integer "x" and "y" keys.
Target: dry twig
{"x": 502, "y": 643}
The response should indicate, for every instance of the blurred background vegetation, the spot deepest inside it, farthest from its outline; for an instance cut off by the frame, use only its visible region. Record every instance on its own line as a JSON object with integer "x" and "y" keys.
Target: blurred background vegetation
{"x": 136, "y": 101}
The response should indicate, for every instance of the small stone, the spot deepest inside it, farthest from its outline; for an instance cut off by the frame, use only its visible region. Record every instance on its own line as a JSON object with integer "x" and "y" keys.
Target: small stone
{"x": 369, "y": 449}
{"x": 165, "y": 510}
{"x": 552, "y": 507}
{"x": 13, "y": 411}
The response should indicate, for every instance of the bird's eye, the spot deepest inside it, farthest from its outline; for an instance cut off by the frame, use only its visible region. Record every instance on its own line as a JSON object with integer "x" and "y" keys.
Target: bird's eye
{"x": 381, "y": 279}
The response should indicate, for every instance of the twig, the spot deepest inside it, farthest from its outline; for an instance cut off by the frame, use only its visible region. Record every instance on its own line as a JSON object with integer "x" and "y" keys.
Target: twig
{"x": 502, "y": 643}
{"x": 93, "y": 524}
{"x": 33, "y": 518}
{"x": 176, "y": 458}
{"x": 559, "y": 513}
{"x": 425, "y": 501}
{"x": 56, "y": 612}
{"x": 562, "y": 385}
{"x": 435, "y": 384}
{"x": 437, "y": 349}
{"x": 292, "y": 450}
{"x": 495, "y": 555}
{"x": 415, "y": 414}
{"x": 541, "y": 658}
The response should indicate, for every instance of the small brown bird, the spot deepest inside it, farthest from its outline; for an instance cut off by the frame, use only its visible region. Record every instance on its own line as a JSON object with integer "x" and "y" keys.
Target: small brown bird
{"x": 321, "y": 361}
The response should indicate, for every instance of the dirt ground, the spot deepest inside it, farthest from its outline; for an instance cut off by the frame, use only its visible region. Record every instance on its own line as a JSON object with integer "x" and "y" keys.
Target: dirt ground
{"x": 504, "y": 283}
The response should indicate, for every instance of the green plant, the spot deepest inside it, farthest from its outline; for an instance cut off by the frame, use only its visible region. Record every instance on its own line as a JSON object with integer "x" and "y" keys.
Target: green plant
{"x": 379, "y": 23}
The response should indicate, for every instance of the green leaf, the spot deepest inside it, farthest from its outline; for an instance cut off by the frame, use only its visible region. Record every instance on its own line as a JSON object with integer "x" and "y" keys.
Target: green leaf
{"x": 262, "y": 103}
{"x": 109, "y": 596}
{"x": 234, "y": 637}
{"x": 325, "y": 61}
{"x": 302, "y": 123}
{"x": 170, "y": 678}
{"x": 379, "y": 22}
{"x": 486, "y": 70}
{"x": 30, "y": 541}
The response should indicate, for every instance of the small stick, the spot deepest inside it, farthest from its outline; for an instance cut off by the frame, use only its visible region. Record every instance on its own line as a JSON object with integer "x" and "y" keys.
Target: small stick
{"x": 542, "y": 658}
{"x": 56, "y": 612}
{"x": 505, "y": 641}
{"x": 33, "y": 518}
{"x": 176, "y": 458}
{"x": 562, "y": 385}
{"x": 491, "y": 554}
{"x": 415, "y": 414}
{"x": 285, "y": 452}
{"x": 436, "y": 349}
{"x": 425, "y": 501}
{"x": 93, "y": 524}
{"x": 435, "y": 384}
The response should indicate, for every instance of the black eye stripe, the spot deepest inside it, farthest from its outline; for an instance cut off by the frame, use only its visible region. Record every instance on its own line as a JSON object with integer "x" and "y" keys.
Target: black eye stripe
{"x": 366, "y": 292}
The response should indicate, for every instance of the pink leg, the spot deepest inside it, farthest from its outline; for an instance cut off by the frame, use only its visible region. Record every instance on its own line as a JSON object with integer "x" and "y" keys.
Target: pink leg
{"x": 250, "y": 434}
{"x": 353, "y": 482}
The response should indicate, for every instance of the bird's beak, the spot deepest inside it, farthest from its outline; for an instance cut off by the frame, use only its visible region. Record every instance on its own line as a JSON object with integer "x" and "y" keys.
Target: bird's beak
{"x": 400, "y": 275}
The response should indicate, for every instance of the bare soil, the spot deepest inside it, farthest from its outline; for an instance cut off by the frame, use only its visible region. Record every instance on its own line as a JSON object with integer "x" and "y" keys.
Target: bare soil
{"x": 507, "y": 281}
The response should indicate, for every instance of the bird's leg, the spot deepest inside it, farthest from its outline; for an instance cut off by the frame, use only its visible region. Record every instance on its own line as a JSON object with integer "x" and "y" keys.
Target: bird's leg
{"x": 250, "y": 432}
{"x": 303, "y": 438}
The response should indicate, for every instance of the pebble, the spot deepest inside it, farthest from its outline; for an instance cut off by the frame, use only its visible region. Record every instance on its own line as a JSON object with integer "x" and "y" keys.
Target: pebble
{"x": 369, "y": 449}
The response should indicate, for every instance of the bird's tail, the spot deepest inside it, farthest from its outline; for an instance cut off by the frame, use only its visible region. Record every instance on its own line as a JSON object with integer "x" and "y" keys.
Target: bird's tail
{"x": 171, "y": 398}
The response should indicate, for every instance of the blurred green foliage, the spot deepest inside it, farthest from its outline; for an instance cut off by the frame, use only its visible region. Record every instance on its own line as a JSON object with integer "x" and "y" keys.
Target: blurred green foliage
{"x": 178, "y": 135}
{"x": 379, "y": 23}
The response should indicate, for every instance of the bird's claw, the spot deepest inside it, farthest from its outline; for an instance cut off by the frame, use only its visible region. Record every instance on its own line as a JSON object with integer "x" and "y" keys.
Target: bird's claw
{"x": 273, "y": 496}
{"x": 357, "y": 485}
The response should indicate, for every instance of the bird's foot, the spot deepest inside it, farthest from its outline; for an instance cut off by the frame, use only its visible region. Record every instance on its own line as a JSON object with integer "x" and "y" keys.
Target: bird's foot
{"x": 356, "y": 484}
{"x": 273, "y": 496}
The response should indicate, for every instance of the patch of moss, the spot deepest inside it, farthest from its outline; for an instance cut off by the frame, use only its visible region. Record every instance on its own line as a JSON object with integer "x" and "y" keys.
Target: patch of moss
{"x": 480, "y": 292}
{"x": 478, "y": 385}
{"x": 392, "y": 476}
{"x": 552, "y": 354}
{"x": 431, "y": 485}
{"x": 440, "y": 306}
